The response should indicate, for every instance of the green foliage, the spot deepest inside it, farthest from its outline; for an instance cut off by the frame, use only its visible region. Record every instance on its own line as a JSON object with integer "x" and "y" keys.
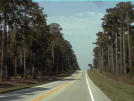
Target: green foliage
{"x": 114, "y": 50}
{"x": 34, "y": 48}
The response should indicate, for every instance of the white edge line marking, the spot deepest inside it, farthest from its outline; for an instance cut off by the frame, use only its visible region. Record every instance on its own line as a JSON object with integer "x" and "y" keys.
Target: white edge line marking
{"x": 47, "y": 84}
{"x": 89, "y": 89}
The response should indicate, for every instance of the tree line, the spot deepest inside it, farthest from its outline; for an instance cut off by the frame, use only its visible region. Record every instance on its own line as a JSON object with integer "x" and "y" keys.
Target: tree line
{"x": 29, "y": 47}
{"x": 114, "y": 51}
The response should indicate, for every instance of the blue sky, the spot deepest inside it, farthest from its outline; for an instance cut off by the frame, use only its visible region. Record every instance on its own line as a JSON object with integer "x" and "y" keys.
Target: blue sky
{"x": 80, "y": 22}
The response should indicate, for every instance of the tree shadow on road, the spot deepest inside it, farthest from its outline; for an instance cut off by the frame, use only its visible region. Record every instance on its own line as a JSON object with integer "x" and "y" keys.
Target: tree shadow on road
{"x": 68, "y": 79}
{"x": 20, "y": 94}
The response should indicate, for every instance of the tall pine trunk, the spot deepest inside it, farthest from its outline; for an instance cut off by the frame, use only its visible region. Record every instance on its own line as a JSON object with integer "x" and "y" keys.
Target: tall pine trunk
{"x": 124, "y": 53}
{"x": 2, "y": 55}
{"x": 4, "y": 68}
{"x": 15, "y": 66}
{"x": 112, "y": 58}
{"x": 129, "y": 48}
{"x": 121, "y": 53}
{"x": 24, "y": 62}
{"x": 108, "y": 58}
{"x": 52, "y": 57}
{"x": 100, "y": 66}
{"x": 116, "y": 53}
{"x": 21, "y": 61}
{"x": 102, "y": 61}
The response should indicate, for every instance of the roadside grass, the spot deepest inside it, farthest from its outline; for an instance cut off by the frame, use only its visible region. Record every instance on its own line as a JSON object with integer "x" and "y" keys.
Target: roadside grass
{"x": 116, "y": 91}
{"x": 14, "y": 84}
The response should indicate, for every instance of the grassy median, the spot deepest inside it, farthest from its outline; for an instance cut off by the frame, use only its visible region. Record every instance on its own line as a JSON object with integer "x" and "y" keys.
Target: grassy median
{"x": 115, "y": 90}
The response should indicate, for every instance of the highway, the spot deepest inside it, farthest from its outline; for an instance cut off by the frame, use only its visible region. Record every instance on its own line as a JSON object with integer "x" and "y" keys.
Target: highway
{"x": 77, "y": 87}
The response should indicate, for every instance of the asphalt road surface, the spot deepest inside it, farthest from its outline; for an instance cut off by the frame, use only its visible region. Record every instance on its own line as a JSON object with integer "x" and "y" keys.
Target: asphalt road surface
{"x": 77, "y": 87}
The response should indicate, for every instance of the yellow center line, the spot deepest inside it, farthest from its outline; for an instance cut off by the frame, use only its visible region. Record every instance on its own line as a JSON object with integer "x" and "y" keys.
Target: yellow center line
{"x": 56, "y": 89}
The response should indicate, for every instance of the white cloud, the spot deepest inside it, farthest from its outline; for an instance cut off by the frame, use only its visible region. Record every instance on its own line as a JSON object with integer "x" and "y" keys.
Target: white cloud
{"x": 77, "y": 21}
{"x": 79, "y": 14}
{"x": 80, "y": 29}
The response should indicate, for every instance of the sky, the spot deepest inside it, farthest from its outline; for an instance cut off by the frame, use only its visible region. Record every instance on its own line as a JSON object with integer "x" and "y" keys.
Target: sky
{"x": 80, "y": 22}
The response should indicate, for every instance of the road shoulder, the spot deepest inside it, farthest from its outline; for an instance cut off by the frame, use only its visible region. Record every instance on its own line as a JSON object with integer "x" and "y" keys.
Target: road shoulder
{"x": 97, "y": 94}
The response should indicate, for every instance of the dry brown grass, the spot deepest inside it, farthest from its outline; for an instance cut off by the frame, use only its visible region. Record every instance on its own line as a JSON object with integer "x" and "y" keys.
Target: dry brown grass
{"x": 117, "y": 89}
{"x": 127, "y": 79}
{"x": 19, "y": 83}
